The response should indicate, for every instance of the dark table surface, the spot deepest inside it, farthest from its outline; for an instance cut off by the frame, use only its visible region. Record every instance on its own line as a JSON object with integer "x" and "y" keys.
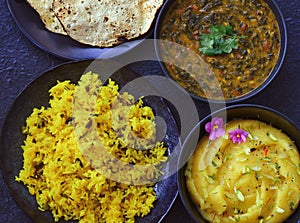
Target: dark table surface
{"x": 21, "y": 62}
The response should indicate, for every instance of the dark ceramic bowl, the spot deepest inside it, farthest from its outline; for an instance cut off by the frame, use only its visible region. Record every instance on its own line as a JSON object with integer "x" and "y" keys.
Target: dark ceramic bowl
{"x": 36, "y": 95}
{"x": 283, "y": 45}
{"x": 244, "y": 111}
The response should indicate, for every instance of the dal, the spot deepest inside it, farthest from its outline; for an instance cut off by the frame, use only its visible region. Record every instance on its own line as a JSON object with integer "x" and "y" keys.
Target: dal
{"x": 239, "y": 72}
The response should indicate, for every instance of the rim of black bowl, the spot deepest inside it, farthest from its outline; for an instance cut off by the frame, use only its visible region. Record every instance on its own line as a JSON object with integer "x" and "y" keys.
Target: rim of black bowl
{"x": 283, "y": 48}
{"x": 246, "y": 111}
{"x": 70, "y": 70}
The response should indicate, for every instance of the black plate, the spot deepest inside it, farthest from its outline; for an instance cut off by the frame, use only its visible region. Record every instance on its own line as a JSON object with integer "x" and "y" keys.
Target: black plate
{"x": 36, "y": 95}
{"x": 59, "y": 45}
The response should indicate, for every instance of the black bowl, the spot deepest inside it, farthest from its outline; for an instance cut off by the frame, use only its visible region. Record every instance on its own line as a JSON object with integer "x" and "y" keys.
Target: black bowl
{"x": 36, "y": 95}
{"x": 283, "y": 46}
{"x": 244, "y": 111}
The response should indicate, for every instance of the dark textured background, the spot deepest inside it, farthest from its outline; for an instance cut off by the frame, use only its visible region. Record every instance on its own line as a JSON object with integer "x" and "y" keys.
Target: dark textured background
{"x": 21, "y": 62}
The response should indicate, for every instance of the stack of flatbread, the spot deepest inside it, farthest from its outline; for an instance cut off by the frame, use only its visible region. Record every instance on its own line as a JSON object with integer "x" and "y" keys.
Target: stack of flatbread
{"x": 102, "y": 23}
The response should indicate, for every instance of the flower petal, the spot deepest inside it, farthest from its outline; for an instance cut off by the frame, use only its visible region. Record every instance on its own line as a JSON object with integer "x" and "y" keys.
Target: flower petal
{"x": 220, "y": 132}
{"x": 208, "y": 127}
{"x": 215, "y": 128}
{"x": 212, "y": 135}
{"x": 243, "y": 137}
{"x": 238, "y": 135}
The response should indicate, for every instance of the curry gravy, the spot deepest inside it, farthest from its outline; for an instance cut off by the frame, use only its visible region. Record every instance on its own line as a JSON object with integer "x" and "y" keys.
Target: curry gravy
{"x": 238, "y": 72}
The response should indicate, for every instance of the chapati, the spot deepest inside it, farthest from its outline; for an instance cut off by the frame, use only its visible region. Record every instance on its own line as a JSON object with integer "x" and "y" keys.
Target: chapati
{"x": 105, "y": 23}
{"x": 44, "y": 9}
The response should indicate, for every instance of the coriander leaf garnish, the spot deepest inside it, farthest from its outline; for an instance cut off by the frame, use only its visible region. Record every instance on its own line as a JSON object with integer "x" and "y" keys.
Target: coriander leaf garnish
{"x": 220, "y": 39}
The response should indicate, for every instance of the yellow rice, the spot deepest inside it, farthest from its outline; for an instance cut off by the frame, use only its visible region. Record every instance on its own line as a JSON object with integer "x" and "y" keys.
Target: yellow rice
{"x": 62, "y": 167}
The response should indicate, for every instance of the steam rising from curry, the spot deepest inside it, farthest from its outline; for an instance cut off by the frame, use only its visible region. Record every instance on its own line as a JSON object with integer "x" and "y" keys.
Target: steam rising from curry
{"x": 238, "y": 72}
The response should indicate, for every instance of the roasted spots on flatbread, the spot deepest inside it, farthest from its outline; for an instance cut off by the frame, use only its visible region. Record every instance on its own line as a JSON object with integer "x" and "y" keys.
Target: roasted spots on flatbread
{"x": 98, "y": 23}
{"x": 44, "y": 9}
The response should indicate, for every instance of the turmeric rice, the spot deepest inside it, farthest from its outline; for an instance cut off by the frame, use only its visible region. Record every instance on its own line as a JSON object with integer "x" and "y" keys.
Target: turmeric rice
{"x": 91, "y": 155}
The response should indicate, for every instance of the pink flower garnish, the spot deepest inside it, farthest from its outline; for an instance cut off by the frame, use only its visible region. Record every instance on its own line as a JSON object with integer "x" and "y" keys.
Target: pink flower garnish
{"x": 215, "y": 128}
{"x": 238, "y": 135}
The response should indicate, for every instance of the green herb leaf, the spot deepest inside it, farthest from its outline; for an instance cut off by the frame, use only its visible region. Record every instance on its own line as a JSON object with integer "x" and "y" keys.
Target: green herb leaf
{"x": 218, "y": 31}
{"x": 228, "y": 44}
{"x": 221, "y": 39}
{"x": 292, "y": 206}
{"x": 207, "y": 41}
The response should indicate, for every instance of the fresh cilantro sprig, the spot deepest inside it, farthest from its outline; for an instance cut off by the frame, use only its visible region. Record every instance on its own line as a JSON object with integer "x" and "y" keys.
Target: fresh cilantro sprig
{"x": 220, "y": 39}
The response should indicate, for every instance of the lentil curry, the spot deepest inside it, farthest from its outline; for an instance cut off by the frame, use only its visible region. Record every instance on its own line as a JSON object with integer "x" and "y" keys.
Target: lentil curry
{"x": 238, "y": 72}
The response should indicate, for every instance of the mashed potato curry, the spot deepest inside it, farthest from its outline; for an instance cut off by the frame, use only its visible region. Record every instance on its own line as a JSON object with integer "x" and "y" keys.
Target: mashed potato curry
{"x": 253, "y": 180}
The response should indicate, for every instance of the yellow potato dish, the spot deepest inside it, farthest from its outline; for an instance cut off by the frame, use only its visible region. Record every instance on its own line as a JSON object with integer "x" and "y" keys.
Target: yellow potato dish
{"x": 256, "y": 180}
